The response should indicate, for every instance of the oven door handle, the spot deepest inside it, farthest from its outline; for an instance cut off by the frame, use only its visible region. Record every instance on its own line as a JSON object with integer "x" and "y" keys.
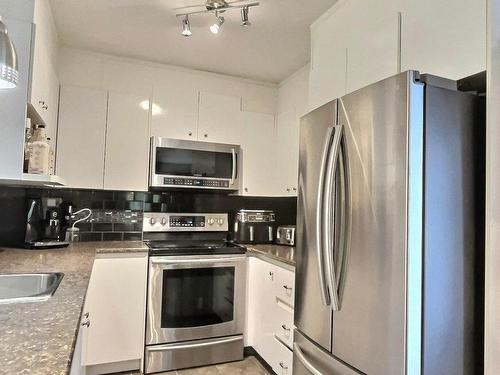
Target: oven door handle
{"x": 196, "y": 261}
{"x": 162, "y": 348}
{"x": 233, "y": 172}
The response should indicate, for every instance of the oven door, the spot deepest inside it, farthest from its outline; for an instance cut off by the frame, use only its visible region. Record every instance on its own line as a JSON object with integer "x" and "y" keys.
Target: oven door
{"x": 196, "y": 165}
{"x": 193, "y": 297}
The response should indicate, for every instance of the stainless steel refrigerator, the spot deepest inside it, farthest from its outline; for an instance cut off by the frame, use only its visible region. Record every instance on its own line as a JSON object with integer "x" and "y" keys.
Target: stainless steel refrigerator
{"x": 389, "y": 232}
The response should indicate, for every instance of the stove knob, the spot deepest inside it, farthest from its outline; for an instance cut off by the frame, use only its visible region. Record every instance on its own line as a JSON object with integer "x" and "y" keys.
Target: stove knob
{"x": 163, "y": 221}
{"x": 220, "y": 221}
{"x": 152, "y": 221}
{"x": 211, "y": 221}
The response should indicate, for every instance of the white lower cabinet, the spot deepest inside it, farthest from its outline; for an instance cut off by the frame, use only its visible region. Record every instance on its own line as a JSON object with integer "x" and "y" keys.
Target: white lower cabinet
{"x": 270, "y": 313}
{"x": 113, "y": 319}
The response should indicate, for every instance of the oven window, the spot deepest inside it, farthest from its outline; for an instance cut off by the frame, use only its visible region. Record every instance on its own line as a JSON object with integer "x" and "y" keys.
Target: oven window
{"x": 194, "y": 297}
{"x": 180, "y": 162}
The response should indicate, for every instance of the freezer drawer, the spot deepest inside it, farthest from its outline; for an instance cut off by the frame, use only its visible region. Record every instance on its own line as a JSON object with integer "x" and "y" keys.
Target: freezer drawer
{"x": 309, "y": 359}
{"x": 193, "y": 353}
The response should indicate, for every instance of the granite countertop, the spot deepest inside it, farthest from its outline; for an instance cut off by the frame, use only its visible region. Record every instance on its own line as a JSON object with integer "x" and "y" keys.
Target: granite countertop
{"x": 280, "y": 253}
{"x": 38, "y": 338}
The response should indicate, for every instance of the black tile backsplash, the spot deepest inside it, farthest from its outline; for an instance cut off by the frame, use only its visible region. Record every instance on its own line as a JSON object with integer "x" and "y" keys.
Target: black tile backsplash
{"x": 117, "y": 215}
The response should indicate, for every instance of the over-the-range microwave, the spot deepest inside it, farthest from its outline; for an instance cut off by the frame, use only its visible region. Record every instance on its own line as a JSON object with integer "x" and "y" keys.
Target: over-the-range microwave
{"x": 176, "y": 163}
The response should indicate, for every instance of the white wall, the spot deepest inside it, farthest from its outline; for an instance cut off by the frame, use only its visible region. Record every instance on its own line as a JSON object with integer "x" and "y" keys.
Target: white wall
{"x": 492, "y": 324}
{"x": 19, "y": 9}
{"x": 95, "y": 70}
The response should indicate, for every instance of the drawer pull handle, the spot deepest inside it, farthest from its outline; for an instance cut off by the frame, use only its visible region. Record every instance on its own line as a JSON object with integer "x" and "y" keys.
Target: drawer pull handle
{"x": 287, "y": 288}
{"x": 282, "y": 365}
{"x": 285, "y": 328}
{"x": 86, "y": 324}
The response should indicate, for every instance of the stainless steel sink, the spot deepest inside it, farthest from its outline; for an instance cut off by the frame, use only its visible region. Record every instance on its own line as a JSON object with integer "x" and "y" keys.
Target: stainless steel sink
{"x": 28, "y": 287}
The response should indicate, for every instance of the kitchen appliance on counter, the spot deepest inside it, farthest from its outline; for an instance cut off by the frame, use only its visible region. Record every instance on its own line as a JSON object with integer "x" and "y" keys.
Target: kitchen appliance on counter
{"x": 196, "y": 292}
{"x": 285, "y": 235}
{"x": 254, "y": 226}
{"x": 176, "y": 163}
{"x": 44, "y": 224}
{"x": 388, "y": 275}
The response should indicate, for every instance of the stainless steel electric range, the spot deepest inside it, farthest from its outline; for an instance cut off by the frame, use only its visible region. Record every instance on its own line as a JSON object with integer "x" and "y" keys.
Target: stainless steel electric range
{"x": 196, "y": 292}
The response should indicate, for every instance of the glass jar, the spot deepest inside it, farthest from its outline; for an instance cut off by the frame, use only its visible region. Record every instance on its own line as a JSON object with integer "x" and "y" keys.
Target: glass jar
{"x": 39, "y": 158}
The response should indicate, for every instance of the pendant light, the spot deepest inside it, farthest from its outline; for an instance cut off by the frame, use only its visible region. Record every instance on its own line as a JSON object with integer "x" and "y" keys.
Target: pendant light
{"x": 8, "y": 60}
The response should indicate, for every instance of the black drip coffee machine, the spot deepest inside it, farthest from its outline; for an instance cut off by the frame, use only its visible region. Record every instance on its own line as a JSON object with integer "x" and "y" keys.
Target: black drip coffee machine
{"x": 44, "y": 224}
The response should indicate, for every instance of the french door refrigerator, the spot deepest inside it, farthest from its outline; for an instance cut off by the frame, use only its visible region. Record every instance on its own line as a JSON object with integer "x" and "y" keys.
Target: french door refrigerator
{"x": 389, "y": 231}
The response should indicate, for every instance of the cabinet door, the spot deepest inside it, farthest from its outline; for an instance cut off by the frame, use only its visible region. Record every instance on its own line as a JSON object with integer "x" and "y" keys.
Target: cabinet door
{"x": 445, "y": 38}
{"x": 116, "y": 306}
{"x": 258, "y": 160}
{"x": 372, "y": 51}
{"x": 175, "y": 111}
{"x": 81, "y": 137}
{"x": 287, "y": 153}
{"x": 327, "y": 79}
{"x": 127, "y": 143}
{"x": 219, "y": 118}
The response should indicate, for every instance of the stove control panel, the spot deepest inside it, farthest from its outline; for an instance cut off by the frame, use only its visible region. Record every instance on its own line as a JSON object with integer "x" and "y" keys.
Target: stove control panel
{"x": 184, "y": 222}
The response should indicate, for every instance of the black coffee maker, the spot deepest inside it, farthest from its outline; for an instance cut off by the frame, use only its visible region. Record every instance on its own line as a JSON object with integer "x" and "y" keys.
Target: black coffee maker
{"x": 44, "y": 224}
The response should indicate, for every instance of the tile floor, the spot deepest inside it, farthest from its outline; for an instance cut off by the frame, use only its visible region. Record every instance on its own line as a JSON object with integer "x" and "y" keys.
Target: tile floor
{"x": 249, "y": 366}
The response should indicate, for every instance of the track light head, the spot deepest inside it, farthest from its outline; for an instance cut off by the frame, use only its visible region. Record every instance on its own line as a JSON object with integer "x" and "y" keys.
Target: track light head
{"x": 244, "y": 17}
{"x": 215, "y": 28}
{"x": 186, "y": 27}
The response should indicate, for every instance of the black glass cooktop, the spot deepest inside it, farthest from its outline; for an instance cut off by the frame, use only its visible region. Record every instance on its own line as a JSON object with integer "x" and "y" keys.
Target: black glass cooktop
{"x": 193, "y": 247}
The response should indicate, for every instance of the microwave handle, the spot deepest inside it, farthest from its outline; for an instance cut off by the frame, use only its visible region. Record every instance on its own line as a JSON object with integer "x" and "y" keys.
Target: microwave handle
{"x": 233, "y": 172}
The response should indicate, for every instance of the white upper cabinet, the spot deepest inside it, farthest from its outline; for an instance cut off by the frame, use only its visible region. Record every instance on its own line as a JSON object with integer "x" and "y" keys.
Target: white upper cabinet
{"x": 372, "y": 50}
{"x": 327, "y": 79}
{"x": 287, "y": 153}
{"x": 127, "y": 142}
{"x": 445, "y": 37}
{"x": 258, "y": 144}
{"x": 45, "y": 83}
{"x": 174, "y": 111}
{"x": 219, "y": 118}
{"x": 82, "y": 136}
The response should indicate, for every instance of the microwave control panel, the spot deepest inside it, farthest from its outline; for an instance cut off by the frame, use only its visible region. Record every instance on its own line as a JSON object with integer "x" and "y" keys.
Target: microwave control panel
{"x": 172, "y": 222}
{"x": 195, "y": 182}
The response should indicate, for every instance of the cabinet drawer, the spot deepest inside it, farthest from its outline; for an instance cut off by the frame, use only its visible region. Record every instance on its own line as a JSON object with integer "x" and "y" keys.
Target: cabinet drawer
{"x": 283, "y": 359}
{"x": 285, "y": 286}
{"x": 283, "y": 324}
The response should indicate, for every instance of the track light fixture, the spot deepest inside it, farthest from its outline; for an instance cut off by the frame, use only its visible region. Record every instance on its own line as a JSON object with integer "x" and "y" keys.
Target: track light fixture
{"x": 186, "y": 27}
{"x": 216, "y": 7}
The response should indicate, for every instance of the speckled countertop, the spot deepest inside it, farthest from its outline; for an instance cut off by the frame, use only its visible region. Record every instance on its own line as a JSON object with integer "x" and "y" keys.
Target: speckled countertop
{"x": 38, "y": 338}
{"x": 279, "y": 253}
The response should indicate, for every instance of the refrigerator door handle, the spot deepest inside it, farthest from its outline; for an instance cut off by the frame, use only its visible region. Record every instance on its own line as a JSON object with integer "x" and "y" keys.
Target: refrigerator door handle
{"x": 342, "y": 250}
{"x": 302, "y": 358}
{"x": 325, "y": 296}
{"x": 328, "y": 215}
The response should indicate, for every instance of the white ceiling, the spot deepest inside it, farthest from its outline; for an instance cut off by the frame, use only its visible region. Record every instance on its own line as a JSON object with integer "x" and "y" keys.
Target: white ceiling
{"x": 275, "y": 46}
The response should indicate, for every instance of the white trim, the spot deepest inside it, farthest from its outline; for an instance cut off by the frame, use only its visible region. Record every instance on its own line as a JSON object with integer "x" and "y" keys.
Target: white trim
{"x": 293, "y": 75}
